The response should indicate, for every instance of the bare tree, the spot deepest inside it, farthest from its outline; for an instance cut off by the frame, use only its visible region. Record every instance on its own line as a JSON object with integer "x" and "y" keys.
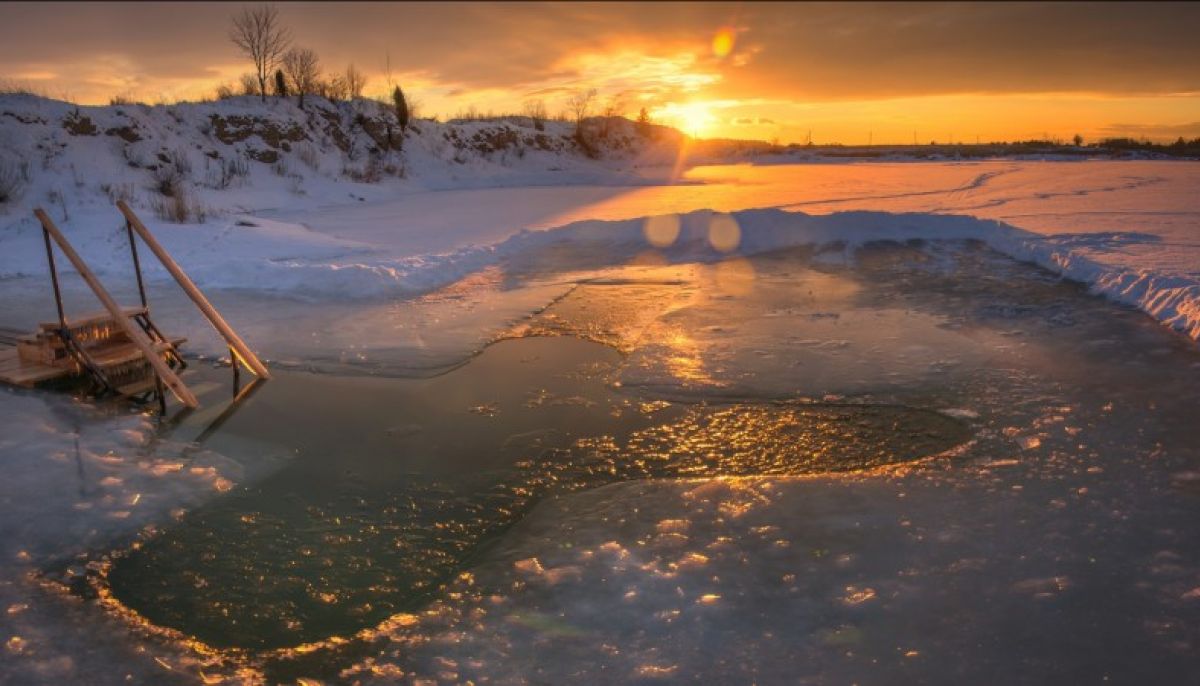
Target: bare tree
{"x": 643, "y": 123}
{"x": 536, "y": 111}
{"x": 415, "y": 106}
{"x": 259, "y": 34}
{"x": 355, "y": 82}
{"x": 387, "y": 69}
{"x": 303, "y": 70}
{"x": 334, "y": 88}
{"x": 613, "y": 109}
{"x": 579, "y": 105}
{"x": 401, "y": 105}
{"x": 249, "y": 84}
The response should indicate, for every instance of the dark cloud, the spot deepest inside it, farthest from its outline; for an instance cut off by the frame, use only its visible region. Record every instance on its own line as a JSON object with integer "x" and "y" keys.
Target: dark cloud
{"x": 812, "y": 51}
{"x": 859, "y": 50}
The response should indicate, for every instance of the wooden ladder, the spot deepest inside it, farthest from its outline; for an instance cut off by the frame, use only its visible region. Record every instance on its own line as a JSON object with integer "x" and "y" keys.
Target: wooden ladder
{"x": 152, "y": 350}
{"x": 159, "y": 351}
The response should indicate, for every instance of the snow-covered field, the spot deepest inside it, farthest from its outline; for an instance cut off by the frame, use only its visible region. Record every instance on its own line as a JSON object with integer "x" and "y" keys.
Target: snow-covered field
{"x": 741, "y": 281}
{"x": 462, "y": 197}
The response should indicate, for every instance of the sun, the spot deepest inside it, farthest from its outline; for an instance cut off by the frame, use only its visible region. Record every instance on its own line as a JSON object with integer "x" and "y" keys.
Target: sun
{"x": 694, "y": 118}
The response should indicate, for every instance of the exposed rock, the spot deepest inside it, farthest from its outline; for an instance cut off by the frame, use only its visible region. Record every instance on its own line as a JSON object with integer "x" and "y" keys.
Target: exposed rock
{"x": 237, "y": 128}
{"x": 333, "y": 129}
{"x": 30, "y": 119}
{"x": 494, "y": 140}
{"x": 384, "y": 133}
{"x": 127, "y": 133}
{"x": 264, "y": 156}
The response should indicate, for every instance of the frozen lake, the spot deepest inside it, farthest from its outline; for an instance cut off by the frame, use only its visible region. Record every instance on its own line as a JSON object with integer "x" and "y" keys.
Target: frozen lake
{"x": 602, "y": 456}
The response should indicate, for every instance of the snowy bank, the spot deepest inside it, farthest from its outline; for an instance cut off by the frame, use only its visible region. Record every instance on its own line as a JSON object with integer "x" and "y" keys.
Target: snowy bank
{"x": 255, "y": 254}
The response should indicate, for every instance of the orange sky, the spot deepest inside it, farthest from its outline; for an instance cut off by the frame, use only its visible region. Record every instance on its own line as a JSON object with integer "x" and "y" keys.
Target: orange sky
{"x": 848, "y": 73}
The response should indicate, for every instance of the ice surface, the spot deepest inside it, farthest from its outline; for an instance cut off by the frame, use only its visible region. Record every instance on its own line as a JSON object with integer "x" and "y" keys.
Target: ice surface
{"x": 1058, "y": 545}
{"x": 79, "y": 479}
{"x": 1061, "y": 528}
{"x": 1127, "y": 229}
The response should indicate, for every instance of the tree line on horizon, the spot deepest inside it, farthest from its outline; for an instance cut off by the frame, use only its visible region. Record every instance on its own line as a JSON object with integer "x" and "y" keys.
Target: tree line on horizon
{"x": 284, "y": 69}
{"x": 291, "y": 69}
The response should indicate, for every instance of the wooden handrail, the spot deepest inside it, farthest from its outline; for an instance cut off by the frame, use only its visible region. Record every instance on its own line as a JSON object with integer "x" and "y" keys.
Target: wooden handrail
{"x": 239, "y": 347}
{"x": 135, "y": 335}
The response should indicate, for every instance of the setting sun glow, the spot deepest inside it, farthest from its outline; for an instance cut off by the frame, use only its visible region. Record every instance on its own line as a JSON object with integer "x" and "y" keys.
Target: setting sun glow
{"x": 694, "y": 118}
{"x": 826, "y": 74}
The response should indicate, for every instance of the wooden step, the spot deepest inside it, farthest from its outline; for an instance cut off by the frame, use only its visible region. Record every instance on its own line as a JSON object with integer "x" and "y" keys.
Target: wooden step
{"x": 91, "y": 318}
{"x": 113, "y": 355}
{"x": 122, "y": 353}
{"x": 138, "y": 387}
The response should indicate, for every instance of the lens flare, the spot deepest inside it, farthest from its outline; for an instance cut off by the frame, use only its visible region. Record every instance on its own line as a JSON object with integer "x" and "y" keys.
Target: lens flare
{"x": 734, "y": 276}
{"x": 694, "y": 118}
{"x": 722, "y": 42}
{"x": 661, "y": 231}
{"x": 724, "y": 234}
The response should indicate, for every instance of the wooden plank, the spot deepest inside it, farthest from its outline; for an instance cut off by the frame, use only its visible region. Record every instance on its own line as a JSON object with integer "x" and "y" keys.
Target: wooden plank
{"x": 135, "y": 334}
{"x": 137, "y": 387}
{"x": 18, "y": 372}
{"x": 91, "y": 318}
{"x": 241, "y": 350}
{"x": 121, "y": 353}
{"x": 10, "y": 336}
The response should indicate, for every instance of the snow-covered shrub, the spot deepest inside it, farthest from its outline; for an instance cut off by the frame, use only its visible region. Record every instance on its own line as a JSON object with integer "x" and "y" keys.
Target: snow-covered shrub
{"x": 179, "y": 208}
{"x": 371, "y": 171}
{"x": 12, "y": 181}
{"x": 170, "y": 176}
{"x": 308, "y": 155}
{"x": 133, "y": 156}
{"x": 180, "y": 160}
{"x": 118, "y": 191}
{"x": 56, "y": 196}
{"x": 167, "y": 180}
{"x": 234, "y": 168}
{"x": 225, "y": 172}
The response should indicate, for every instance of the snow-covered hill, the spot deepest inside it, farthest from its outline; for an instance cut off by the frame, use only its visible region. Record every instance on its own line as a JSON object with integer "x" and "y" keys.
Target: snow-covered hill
{"x": 188, "y": 161}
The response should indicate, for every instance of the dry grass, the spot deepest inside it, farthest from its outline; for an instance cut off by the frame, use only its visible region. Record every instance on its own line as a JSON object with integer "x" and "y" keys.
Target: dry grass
{"x": 13, "y": 177}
